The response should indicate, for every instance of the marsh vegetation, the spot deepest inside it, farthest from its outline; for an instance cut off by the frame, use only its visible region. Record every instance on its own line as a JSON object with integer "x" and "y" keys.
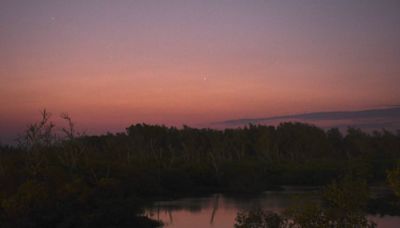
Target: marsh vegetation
{"x": 56, "y": 178}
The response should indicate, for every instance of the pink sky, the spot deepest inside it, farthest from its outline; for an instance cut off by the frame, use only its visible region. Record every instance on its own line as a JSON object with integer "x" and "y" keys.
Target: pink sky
{"x": 110, "y": 64}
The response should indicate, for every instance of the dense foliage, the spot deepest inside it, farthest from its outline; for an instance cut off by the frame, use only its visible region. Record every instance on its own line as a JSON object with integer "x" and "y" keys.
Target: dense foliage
{"x": 343, "y": 205}
{"x": 69, "y": 180}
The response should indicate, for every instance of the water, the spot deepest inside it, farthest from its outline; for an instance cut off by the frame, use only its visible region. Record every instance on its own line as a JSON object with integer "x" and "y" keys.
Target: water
{"x": 219, "y": 211}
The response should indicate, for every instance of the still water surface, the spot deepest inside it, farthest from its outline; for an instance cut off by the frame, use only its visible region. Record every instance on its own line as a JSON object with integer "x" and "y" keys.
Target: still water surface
{"x": 219, "y": 211}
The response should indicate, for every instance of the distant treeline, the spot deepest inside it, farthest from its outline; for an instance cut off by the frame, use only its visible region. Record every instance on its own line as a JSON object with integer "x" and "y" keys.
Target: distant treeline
{"x": 84, "y": 181}
{"x": 250, "y": 158}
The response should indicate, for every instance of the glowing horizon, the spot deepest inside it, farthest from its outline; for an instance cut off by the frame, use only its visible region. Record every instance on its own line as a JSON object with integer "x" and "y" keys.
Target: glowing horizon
{"x": 114, "y": 63}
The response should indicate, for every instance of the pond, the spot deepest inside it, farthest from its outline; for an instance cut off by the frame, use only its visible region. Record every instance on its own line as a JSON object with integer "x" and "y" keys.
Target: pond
{"x": 219, "y": 211}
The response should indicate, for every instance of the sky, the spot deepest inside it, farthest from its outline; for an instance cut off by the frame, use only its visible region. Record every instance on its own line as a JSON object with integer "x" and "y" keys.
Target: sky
{"x": 110, "y": 64}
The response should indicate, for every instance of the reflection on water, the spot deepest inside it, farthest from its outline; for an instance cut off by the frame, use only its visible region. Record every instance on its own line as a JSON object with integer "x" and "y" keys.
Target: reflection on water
{"x": 220, "y": 211}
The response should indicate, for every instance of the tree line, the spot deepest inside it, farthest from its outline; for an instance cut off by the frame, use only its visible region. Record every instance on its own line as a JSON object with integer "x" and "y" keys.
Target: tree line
{"x": 72, "y": 179}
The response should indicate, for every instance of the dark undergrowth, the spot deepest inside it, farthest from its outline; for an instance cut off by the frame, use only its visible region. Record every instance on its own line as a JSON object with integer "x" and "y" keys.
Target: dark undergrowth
{"x": 75, "y": 180}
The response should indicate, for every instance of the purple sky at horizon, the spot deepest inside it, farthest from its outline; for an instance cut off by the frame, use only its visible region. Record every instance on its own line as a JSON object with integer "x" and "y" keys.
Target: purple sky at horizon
{"x": 113, "y": 63}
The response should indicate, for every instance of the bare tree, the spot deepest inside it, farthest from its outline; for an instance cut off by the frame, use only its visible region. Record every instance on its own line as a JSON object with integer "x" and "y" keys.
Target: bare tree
{"x": 37, "y": 138}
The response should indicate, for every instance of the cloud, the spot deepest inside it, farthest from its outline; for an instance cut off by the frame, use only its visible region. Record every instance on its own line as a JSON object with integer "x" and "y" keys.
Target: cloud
{"x": 388, "y": 118}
